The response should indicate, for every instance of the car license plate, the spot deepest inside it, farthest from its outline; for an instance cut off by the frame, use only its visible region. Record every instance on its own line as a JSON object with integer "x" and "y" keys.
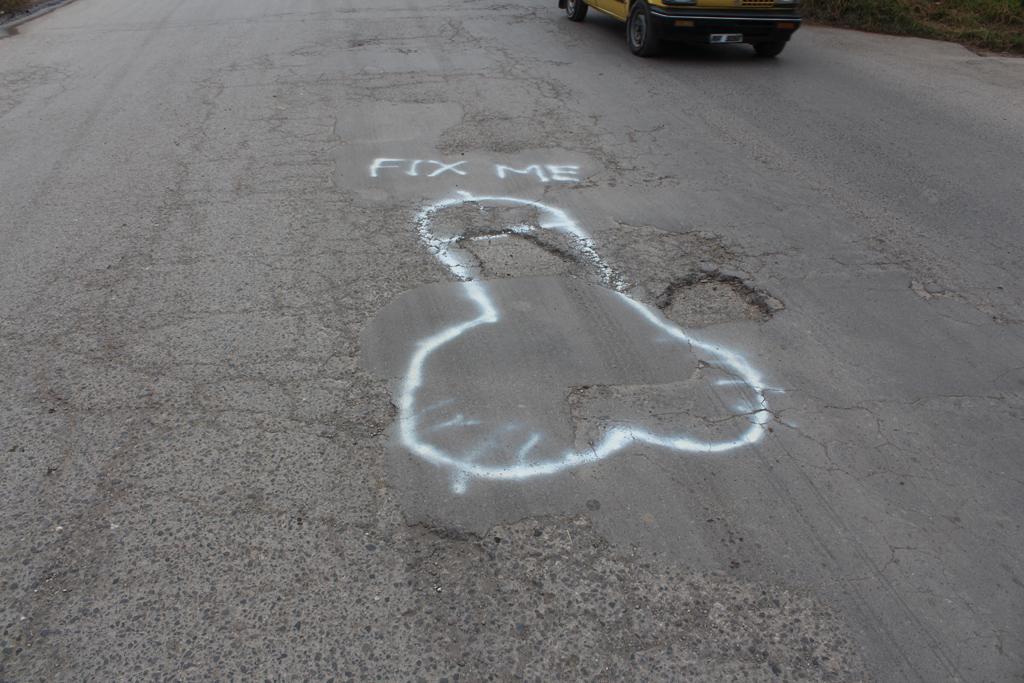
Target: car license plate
{"x": 726, "y": 37}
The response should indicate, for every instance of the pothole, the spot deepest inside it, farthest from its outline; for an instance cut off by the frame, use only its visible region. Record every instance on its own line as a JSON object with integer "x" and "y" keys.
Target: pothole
{"x": 709, "y": 298}
{"x": 507, "y": 241}
{"x": 516, "y": 255}
{"x": 473, "y": 219}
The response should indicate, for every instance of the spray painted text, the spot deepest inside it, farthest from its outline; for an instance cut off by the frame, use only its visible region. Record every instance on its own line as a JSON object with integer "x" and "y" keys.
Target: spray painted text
{"x": 428, "y": 168}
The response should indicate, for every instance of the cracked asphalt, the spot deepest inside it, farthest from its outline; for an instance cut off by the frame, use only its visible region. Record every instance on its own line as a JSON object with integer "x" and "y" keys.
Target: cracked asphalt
{"x": 242, "y": 242}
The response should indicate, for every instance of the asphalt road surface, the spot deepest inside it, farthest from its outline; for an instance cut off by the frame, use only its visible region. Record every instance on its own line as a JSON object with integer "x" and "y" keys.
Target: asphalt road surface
{"x": 448, "y": 341}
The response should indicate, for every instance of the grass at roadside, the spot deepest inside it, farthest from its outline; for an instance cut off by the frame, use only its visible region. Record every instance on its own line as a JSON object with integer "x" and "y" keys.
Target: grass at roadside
{"x": 12, "y": 8}
{"x": 992, "y": 25}
{"x": 14, "y": 5}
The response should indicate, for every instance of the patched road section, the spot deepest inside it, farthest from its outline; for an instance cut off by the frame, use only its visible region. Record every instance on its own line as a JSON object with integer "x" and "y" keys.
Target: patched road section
{"x": 482, "y": 374}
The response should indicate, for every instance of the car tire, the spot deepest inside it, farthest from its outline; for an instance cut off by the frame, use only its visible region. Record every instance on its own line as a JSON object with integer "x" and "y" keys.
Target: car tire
{"x": 643, "y": 41}
{"x": 769, "y": 49}
{"x": 576, "y": 10}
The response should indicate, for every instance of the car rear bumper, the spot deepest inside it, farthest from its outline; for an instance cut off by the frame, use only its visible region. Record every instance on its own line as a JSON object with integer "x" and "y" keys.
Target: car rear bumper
{"x": 697, "y": 26}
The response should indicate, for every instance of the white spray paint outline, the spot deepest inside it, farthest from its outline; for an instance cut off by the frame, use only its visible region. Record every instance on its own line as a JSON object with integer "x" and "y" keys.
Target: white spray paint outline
{"x": 458, "y": 261}
{"x": 552, "y": 219}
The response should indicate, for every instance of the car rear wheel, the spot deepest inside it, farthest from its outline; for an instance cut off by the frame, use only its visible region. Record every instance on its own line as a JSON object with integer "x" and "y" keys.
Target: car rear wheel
{"x": 769, "y": 49}
{"x": 576, "y": 10}
{"x": 640, "y": 32}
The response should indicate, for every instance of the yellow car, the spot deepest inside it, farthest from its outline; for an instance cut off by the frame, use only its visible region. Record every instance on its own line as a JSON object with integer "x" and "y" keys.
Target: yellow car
{"x": 765, "y": 24}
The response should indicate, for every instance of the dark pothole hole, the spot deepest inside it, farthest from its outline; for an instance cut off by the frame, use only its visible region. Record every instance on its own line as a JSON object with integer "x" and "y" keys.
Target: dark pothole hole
{"x": 710, "y": 297}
